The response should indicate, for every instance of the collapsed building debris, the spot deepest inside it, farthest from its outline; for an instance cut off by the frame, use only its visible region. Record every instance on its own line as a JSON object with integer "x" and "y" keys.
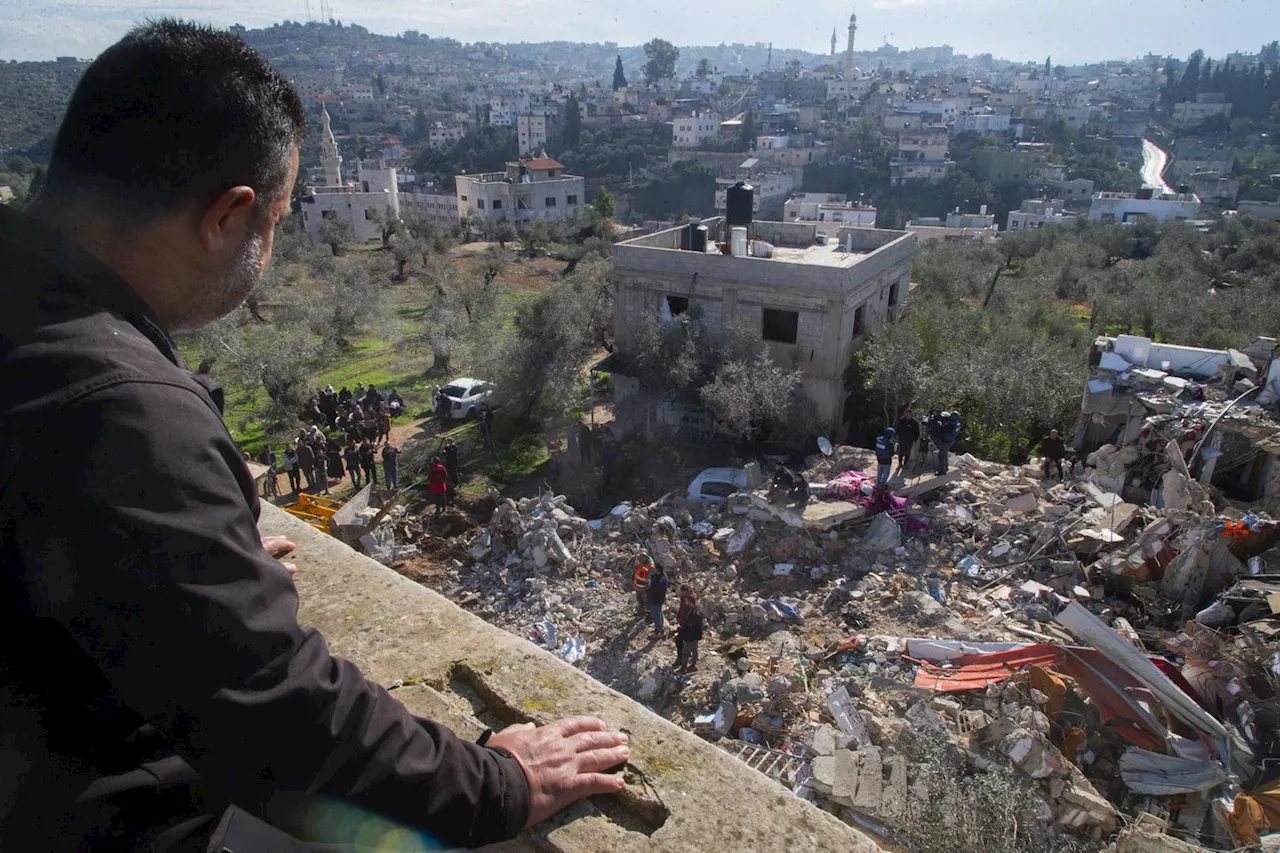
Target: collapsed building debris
{"x": 1107, "y": 644}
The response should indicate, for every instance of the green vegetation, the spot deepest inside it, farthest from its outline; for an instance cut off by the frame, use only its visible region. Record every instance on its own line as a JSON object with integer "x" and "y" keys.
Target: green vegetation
{"x": 662, "y": 57}
{"x": 1014, "y": 367}
{"x": 410, "y": 314}
{"x": 984, "y": 173}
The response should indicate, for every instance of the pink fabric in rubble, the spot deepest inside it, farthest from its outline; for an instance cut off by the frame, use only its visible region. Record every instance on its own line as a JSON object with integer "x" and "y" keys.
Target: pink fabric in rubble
{"x": 848, "y": 487}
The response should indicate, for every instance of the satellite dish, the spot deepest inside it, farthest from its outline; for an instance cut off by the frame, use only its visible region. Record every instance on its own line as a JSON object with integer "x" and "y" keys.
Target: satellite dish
{"x": 824, "y": 445}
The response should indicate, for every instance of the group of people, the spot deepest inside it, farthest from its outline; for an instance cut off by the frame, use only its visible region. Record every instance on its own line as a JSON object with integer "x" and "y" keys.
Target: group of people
{"x": 650, "y": 583}
{"x": 360, "y": 415}
{"x": 319, "y": 459}
{"x": 941, "y": 429}
{"x": 583, "y": 444}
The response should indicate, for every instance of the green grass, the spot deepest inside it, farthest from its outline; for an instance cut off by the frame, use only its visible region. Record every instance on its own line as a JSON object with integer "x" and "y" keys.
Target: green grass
{"x": 522, "y": 451}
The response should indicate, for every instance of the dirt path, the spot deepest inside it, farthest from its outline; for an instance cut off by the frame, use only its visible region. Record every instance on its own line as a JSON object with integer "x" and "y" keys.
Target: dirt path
{"x": 402, "y": 434}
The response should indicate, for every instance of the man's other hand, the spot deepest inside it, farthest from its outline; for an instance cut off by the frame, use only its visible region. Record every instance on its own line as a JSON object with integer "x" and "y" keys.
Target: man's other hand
{"x": 564, "y": 761}
{"x": 277, "y": 547}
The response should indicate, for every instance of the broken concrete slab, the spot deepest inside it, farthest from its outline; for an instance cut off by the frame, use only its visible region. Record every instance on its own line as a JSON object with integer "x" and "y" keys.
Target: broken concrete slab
{"x": 845, "y": 783}
{"x": 870, "y": 781}
{"x": 893, "y": 799}
{"x": 1019, "y": 504}
{"x": 1145, "y": 839}
{"x": 815, "y": 515}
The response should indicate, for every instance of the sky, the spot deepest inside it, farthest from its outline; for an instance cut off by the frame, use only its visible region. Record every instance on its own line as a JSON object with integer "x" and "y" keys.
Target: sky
{"x": 1070, "y": 31}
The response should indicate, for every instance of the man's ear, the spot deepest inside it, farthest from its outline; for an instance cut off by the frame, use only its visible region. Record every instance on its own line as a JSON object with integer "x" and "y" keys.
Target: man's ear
{"x": 226, "y": 221}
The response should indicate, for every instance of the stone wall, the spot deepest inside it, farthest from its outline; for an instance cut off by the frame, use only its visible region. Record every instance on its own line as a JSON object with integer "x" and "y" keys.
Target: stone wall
{"x": 684, "y": 794}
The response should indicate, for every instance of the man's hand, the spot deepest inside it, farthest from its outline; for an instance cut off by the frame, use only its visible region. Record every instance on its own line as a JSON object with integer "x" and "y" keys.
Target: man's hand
{"x": 277, "y": 547}
{"x": 563, "y": 761}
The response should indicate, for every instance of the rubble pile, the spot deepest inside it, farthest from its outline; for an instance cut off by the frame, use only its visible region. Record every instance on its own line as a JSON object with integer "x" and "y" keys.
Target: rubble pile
{"x": 1097, "y": 656}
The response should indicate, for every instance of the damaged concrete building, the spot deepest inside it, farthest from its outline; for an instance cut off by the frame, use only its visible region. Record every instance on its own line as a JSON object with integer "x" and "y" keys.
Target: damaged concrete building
{"x": 813, "y": 294}
{"x": 1217, "y": 405}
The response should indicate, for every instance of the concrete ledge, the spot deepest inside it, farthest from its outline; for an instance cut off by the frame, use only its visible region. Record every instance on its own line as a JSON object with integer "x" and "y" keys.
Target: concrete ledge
{"x": 684, "y": 794}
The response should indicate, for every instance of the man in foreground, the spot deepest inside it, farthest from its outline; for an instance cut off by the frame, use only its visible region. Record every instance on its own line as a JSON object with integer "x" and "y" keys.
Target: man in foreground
{"x": 157, "y": 692}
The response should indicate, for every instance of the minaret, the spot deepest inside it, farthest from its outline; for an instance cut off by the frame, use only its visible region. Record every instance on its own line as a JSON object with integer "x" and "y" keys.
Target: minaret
{"x": 329, "y": 156}
{"x": 848, "y": 53}
{"x": 833, "y": 42}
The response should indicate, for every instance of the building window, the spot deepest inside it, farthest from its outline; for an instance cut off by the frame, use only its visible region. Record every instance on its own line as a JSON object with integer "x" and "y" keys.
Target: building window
{"x": 480, "y": 204}
{"x": 370, "y": 214}
{"x": 572, "y": 199}
{"x": 551, "y": 173}
{"x": 893, "y": 294}
{"x": 779, "y": 326}
{"x": 551, "y": 201}
{"x": 464, "y": 198}
{"x": 677, "y": 305}
{"x": 328, "y": 214}
{"x": 497, "y": 204}
{"x": 859, "y": 320}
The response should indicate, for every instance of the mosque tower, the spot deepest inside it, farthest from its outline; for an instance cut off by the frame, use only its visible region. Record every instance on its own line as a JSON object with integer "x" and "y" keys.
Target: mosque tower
{"x": 848, "y": 53}
{"x": 330, "y": 158}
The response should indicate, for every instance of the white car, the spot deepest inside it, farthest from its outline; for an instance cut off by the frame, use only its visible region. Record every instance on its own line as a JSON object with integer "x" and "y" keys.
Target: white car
{"x": 714, "y": 485}
{"x": 466, "y": 397}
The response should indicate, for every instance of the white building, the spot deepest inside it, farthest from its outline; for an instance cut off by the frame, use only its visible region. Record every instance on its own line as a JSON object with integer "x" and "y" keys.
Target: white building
{"x": 976, "y": 221}
{"x": 503, "y": 110}
{"x": 434, "y": 204}
{"x": 363, "y": 203}
{"x": 531, "y": 133}
{"x": 529, "y": 189}
{"x": 692, "y": 130}
{"x": 922, "y": 171}
{"x": 358, "y": 92}
{"x": 827, "y": 207}
{"x": 1128, "y": 207}
{"x": 982, "y": 123}
{"x": 1204, "y": 106}
{"x": 442, "y": 136}
{"x": 1037, "y": 213}
{"x": 922, "y": 145}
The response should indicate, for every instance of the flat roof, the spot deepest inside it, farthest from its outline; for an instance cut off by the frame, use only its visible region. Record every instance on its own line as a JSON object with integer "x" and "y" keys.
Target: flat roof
{"x": 818, "y": 256}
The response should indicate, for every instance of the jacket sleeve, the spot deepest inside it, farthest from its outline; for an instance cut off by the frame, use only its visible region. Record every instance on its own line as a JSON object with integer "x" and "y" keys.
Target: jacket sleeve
{"x": 139, "y": 538}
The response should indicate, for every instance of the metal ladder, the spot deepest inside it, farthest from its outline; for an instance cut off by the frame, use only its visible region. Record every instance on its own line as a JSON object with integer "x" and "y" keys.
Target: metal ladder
{"x": 782, "y": 767}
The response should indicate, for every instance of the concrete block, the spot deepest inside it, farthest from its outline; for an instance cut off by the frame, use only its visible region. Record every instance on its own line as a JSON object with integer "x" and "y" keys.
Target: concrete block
{"x": 823, "y": 741}
{"x": 1082, "y": 806}
{"x": 824, "y": 774}
{"x": 845, "y": 783}
{"x": 893, "y": 799}
{"x": 870, "y": 781}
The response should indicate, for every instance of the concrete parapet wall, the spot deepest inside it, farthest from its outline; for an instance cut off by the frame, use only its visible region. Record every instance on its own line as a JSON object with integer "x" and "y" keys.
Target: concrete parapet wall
{"x": 684, "y": 794}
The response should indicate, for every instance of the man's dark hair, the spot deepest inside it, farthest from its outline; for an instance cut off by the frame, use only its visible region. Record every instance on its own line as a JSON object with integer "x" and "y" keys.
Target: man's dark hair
{"x": 175, "y": 114}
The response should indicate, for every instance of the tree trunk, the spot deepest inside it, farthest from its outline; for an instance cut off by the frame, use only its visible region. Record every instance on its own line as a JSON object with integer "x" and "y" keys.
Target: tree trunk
{"x": 439, "y": 362}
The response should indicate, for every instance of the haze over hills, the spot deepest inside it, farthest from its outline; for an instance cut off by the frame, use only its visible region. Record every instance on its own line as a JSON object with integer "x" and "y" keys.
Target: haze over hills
{"x": 1086, "y": 30}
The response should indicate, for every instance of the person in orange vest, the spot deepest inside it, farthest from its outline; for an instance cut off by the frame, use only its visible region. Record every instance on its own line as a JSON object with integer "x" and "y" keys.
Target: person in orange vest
{"x": 640, "y": 582}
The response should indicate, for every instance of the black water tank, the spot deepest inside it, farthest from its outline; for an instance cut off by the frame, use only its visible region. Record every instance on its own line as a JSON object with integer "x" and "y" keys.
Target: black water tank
{"x": 739, "y": 200}
{"x": 698, "y": 241}
{"x": 686, "y": 237}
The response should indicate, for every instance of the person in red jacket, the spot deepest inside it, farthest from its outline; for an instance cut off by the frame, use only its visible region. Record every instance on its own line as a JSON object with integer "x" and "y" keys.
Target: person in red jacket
{"x": 438, "y": 483}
